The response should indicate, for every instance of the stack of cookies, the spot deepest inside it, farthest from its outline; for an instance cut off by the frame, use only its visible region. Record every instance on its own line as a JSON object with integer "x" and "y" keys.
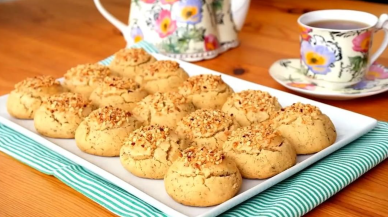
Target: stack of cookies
{"x": 195, "y": 133}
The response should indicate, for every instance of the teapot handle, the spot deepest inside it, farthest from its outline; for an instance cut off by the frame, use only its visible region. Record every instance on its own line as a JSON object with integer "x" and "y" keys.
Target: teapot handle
{"x": 117, "y": 23}
{"x": 239, "y": 11}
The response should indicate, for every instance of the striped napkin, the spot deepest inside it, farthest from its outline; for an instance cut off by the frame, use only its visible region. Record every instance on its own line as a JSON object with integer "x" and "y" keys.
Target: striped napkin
{"x": 293, "y": 197}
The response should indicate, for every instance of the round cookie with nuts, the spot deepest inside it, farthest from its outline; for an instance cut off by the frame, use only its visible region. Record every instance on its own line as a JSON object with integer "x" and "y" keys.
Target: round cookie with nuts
{"x": 165, "y": 109}
{"x": 202, "y": 177}
{"x": 259, "y": 151}
{"x": 306, "y": 127}
{"x": 60, "y": 115}
{"x": 85, "y": 78}
{"x": 120, "y": 92}
{"x": 205, "y": 127}
{"x": 251, "y": 106}
{"x": 149, "y": 151}
{"x": 103, "y": 132}
{"x": 161, "y": 76}
{"x": 29, "y": 94}
{"x": 128, "y": 62}
{"x": 206, "y": 91}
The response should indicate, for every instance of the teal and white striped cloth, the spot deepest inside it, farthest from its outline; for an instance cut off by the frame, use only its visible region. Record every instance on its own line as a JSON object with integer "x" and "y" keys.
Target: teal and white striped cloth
{"x": 292, "y": 197}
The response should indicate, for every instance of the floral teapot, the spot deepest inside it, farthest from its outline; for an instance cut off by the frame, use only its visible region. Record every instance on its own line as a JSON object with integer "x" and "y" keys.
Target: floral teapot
{"x": 191, "y": 30}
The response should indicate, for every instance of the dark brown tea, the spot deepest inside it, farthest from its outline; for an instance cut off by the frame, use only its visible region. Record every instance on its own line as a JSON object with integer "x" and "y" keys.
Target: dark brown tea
{"x": 338, "y": 24}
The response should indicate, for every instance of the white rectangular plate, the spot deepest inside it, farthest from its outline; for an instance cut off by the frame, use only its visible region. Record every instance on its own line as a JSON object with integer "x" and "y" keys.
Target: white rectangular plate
{"x": 349, "y": 127}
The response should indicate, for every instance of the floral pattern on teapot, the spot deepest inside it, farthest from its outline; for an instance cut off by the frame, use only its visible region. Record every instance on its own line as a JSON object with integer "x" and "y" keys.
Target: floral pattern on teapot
{"x": 184, "y": 26}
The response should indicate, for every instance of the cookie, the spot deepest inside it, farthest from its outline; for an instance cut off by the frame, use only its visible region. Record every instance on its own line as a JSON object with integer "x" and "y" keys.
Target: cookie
{"x": 128, "y": 62}
{"x": 60, "y": 115}
{"x": 306, "y": 127}
{"x": 120, "y": 92}
{"x": 161, "y": 76}
{"x": 206, "y": 91}
{"x": 259, "y": 151}
{"x": 149, "y": 151}
{"x": 103, "y": 132}
{"x": 251, "y": 106}
{"x": 85, "y": 78}
{"x": 165, "y": 109}
{"x": 202, "y": 177}
{"x": 205, "y": 127}
{"x": 29, "y": 95}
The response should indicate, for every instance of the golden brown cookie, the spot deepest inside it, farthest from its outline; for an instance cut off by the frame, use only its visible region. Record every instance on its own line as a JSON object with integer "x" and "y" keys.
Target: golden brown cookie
{"x": 149, "y": 151}
{"x": 251, "y": 106}
{"x": 161, "y": 76}
{"x": 103, "y": 132}
{"x": 206, "y": 127}
{"x": 206, "y": 91}
{"x": 202, "y": 177}
{"x": 128, "y": 62}
{"x": 259, "y": 151}
{"x": 85, "y": 78}
{"x": 165, "y": 109}
{"x": 120, "y": 92}
{"x": 306, "y": 127}
{"x": 60, "y": 115}
{"x": 29, "y": 94}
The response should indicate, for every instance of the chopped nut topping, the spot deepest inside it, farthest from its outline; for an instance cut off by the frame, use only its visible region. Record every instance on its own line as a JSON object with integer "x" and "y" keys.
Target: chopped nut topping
{"x": 203, "y": 83}
{"x": 198, "y": 157}
{"x": 37, "y": 82}
{"x": 166, "y": 102}
{"x": 73, "y": 102}
{"x": 149, "y": 137}
{"x": 205, "y": 122}
{"x": 165, "y": 66}
{"x": 91, "y": 71}
{"x": 120, "y": 83}
{"x": 258, "y": 137}
{"x": 110, "y": 116}
{"x": 255, "y": 100}
{"x": 305, "y": 109}
{"x": 132, "y": 56}
{"x": 307, "y": 113}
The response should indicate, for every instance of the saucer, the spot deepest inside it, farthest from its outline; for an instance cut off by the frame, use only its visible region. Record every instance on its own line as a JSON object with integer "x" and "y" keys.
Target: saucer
{"x": 287, "y": 72}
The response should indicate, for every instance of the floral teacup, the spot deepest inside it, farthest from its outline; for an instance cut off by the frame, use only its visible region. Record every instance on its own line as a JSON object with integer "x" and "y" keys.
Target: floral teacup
{"x": 191, "y": 30}
{"x": 338, "y": 58}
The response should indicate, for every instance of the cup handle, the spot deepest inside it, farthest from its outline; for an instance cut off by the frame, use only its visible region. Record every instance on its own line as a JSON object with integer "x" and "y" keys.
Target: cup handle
{"x": 117, "y": 23}
{"x": 381, "y": 24}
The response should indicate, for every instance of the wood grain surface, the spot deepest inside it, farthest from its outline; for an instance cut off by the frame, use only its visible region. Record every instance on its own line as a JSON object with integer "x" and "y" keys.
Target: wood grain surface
{"x": 48, "y": 37}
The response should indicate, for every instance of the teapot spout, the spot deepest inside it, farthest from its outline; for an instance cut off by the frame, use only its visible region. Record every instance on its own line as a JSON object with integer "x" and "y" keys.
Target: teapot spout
{"x": 239, "y": 10}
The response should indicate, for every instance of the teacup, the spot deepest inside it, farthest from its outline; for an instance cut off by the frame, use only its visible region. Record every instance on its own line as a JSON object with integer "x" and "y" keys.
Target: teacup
{"x": 336, "y": 58}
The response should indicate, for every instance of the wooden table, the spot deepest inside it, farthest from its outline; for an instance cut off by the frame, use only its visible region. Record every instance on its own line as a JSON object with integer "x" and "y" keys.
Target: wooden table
{"x": 49, "y": 37}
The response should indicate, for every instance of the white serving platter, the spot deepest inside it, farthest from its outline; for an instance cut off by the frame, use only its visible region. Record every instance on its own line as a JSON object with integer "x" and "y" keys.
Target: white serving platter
{"x": 349, "y": 127}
